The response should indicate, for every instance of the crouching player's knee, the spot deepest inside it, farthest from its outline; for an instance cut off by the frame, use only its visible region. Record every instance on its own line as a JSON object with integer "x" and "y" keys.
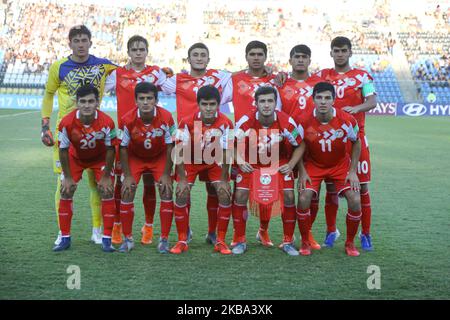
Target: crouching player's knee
{"x": 289, "y": 198}
{"x": 354, "y": 200}
{"x": 241, "y": 196}
{"x": 304, "y": 199}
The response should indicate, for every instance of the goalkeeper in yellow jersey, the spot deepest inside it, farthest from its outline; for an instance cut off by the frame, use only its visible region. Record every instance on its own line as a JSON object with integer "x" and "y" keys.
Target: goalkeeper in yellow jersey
{"x": 66, "y": 76}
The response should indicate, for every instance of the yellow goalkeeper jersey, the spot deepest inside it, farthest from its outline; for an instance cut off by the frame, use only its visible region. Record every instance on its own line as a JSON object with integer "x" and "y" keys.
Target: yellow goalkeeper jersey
{"x": 66, "y": 76}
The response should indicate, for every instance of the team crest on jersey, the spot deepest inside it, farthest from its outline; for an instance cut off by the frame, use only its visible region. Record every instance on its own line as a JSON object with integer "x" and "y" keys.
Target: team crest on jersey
{"x": 350, "y": 82}
{"x": 147, "y": 78}
{"x": 339, "y": 133}
{"x": 238, "y": 178}
{"x": 158, "y": 132}
{"x": 210, "y": 81}
{"x": 265, "y": 179}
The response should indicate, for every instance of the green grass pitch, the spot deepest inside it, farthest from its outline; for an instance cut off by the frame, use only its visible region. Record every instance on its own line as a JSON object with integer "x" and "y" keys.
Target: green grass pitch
{"x": 411, "y": 224}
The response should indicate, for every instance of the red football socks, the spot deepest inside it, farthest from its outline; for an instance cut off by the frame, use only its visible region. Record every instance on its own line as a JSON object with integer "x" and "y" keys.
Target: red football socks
{"x": 108, "y": 214}
{"x": 127, "y": 217}
{"x": 289, "y": 218}
{"x": 314, "y": 208}
{"x": 366, "y": 210}
{"x": 223, "y": 218}
{"x": 65, "y": 214}
{"x": 240, "y": 215}
{"x": 166, "y": 216}
{"x": 331, "y": 209}
{"x": 353, "y": 218}
{"x": 149, "y": 201}
{"x": 304, "y": 223}
{"x": 117, "y": 197}
{"x": 212, "y": 204}
{"x": 181, "y": 221}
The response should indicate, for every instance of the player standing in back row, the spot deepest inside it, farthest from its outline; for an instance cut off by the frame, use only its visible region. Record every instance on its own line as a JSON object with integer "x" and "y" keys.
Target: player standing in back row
{"x": 123, "y": 81}
{"x": 355, "y": 94}
{"x": 241, "y": 91}
{"x": 296, "y": 96}
{"x": 186, "y": 86}
{"x": 65, "y": 77}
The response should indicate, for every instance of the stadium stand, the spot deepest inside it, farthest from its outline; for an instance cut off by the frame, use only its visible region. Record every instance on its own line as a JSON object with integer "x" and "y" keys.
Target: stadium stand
{"x": 31, "y": 42}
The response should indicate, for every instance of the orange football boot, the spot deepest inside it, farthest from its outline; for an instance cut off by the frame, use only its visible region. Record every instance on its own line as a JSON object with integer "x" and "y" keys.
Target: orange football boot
{"x": 147, "y": 234}
{"x": 222, "y": 248}
{"x": 314, "y": 244}
{"x": 180, "y": 247}
{"x": 117, "y": 233}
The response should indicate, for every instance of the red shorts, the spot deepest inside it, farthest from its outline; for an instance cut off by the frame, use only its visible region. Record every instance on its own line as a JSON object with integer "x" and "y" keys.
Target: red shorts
{"x": 203, "y": 176}
{"x": 243, "y": 181}
{"x": 364, "y": 162}
{"x": 140, "y": 166}
{"x": 210, "y": 172}
{"x": 77, "y": 167}
{"x": 335, "y": 175}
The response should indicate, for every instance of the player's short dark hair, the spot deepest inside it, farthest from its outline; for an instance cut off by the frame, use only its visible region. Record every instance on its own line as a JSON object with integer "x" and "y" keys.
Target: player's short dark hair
{"x": 256, "y": 45}
{"x": 265, "y": 90}
{"x": 87, "y": 89}
{"x": 322, "y": 87}
{"x": 341, "y": 42}
{"x": 197, "y": 45}
{"x": 78, "y": 30}
{"x": 146, "y": 87}
{"x": 208, "y": 93}
{"x": 136, "y": 38}
{"x": 301, "y": 48}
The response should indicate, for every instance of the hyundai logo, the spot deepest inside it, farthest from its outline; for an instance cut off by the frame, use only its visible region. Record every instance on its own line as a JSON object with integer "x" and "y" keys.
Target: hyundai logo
{"x": 414, "y": 109}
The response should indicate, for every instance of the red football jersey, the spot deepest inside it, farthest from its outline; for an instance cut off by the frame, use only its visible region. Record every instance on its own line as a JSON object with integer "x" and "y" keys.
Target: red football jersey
{"x": 197, "y": 136}
{"x": 282, "y": 135}
{"x": 241, "y": 91}
{"x": 349, "y": 89}
{"x": 186, "y": 86}
{"x": 86, "y": 143}
{"x": 327, "y": 143}
{"x": 126, "y": 81}
{"x": 147, "y": 141}
{"x": 297, "y": 94}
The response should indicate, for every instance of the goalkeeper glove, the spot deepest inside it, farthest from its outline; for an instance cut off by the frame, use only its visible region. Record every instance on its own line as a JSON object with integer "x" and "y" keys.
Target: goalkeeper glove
{"x": 46, "y": 134}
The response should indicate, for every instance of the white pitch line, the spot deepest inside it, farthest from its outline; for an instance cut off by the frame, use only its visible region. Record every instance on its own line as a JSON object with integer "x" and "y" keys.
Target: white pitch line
{"x": 18, "y": 114}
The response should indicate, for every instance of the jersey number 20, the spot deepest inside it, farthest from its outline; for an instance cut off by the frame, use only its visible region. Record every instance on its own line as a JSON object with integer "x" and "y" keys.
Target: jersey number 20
{"x": 85, "y": 144}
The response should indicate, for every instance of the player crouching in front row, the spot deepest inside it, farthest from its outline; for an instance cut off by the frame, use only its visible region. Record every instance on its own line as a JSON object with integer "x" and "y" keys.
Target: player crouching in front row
{"x": 264, "y": 140}
{"x": 86, "y": 141}
{"x": 202, "y": 148}
{"x": 146, "y": 147}
{"x": 326, "y": 133}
